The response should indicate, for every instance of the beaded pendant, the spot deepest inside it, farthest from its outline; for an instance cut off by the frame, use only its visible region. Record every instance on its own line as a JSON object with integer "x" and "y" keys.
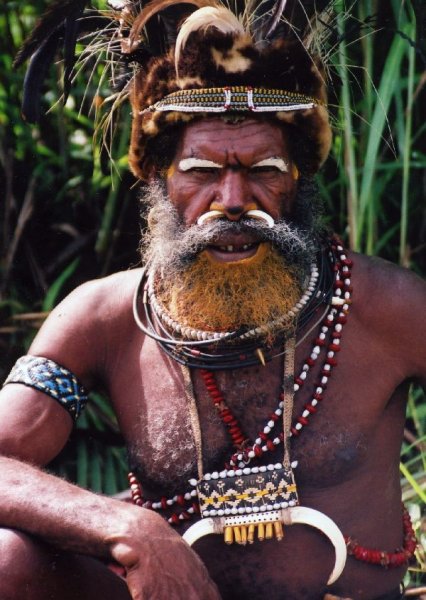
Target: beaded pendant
{"x": 249, "y": 499}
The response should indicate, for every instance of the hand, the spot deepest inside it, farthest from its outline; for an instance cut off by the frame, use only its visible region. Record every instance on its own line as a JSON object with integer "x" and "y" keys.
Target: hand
{"x": 159, "y": 564}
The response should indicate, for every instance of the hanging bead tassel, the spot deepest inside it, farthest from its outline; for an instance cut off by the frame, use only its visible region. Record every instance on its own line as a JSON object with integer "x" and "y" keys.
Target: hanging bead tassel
{"x": 243, "y": 530}
{"x": 279, "y": 530}
{"x": 237, "y": 535}
{"x": 269, "y": 533}
{"x": 251, "y": 532}
{"x": 245, "y": 534}
{"x": 228, "y": 535}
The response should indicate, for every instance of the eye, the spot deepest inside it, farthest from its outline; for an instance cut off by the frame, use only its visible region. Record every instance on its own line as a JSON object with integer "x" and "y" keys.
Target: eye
{"x": 204, "y": 170}
{"x": 266, "y": 170}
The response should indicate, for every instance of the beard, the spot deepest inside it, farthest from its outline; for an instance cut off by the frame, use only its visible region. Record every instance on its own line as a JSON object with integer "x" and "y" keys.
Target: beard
{"x": 218, "y": 296}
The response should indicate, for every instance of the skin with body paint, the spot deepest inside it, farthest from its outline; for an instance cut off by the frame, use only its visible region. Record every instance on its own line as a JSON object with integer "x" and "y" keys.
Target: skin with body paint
{"x": 56, "y": 537}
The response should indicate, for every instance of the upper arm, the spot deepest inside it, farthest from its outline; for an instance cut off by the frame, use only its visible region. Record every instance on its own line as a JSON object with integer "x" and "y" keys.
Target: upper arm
{"x": 417, "y": 315}
{"x": 35, "y": 426}
{"x": 395, "y": 304}
{"x": 409, "y": 323}
{"x": 73, "y": 334}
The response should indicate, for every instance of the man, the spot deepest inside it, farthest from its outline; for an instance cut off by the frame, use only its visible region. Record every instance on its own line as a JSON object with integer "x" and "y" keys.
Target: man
{"x": 253, "y": 350}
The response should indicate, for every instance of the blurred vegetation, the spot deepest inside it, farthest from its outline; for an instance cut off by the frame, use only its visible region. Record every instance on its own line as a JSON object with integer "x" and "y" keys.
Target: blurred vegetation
{"x": 67, "y": 214}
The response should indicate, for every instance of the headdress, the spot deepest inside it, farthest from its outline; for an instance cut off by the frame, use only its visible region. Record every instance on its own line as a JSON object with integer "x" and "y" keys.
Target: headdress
{"x": 196, "y": 58}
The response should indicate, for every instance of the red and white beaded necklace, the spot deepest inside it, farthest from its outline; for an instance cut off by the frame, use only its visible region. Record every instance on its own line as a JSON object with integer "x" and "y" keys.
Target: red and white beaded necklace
{"x": 271, "y": 436}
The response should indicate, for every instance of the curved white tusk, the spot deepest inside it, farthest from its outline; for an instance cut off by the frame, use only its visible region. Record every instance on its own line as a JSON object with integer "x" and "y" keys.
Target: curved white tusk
{"x": 212, "y": 214}
{"x": 290, "y": 516}
{"x": 260, "y": 214}
{"x": 314, "y": 518}
{"x": 202, "y": 528}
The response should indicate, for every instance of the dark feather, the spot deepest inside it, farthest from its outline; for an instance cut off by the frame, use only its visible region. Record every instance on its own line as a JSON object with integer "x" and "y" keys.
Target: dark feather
{"x": 171, "y": 19}
{"x": 61, "y": 22}
{"x": 55, "y": 15}
{"x": 155, "y": 7}
{"x": 271, "y": 25}
{"x": 72, "y": 27}
{"x": 266, "y": 16}
{"x": 35, "y": 75}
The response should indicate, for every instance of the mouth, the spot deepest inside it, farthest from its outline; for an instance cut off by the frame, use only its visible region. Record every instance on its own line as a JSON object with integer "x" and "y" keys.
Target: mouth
{"x": 233, "y": 252}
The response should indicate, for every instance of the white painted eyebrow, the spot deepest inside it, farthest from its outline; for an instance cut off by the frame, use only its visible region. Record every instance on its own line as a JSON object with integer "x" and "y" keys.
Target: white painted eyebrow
{"x": 273, "y": 161}
{"x": 186, "y": 164}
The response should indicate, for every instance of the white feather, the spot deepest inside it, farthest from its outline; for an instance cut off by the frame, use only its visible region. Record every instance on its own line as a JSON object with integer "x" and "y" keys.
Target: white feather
{"x": 209, "y": 16}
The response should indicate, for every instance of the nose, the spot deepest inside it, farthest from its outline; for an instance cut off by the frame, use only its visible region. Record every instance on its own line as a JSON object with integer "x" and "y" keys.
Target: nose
{"x": 233, "y": 196}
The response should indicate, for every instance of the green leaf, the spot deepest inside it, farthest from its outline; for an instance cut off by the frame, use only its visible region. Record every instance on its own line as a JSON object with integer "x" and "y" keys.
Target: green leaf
{"x": 55, "y": 289}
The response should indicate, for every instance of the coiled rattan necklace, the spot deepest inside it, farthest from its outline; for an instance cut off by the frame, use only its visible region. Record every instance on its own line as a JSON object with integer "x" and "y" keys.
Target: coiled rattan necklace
{"x": 232, "y": 349}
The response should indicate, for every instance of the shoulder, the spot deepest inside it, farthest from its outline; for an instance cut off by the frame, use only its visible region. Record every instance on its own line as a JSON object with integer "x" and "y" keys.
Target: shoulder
{"x": 388, "y": 304}
{"x": 386, "y": 288}
{"x": 80, "y": 330}
{"x": 112, "y": 294}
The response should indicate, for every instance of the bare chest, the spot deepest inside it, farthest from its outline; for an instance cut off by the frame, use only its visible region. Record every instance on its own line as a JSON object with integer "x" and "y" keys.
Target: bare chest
{"x": 160, "y": 423}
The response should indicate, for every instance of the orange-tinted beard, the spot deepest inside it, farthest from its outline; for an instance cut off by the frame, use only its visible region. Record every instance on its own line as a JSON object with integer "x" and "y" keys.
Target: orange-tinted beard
{"x": 223, "y": 296}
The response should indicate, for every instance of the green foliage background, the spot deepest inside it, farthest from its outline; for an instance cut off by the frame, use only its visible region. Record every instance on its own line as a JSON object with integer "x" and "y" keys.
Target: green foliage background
{"x": 68, "y": 214}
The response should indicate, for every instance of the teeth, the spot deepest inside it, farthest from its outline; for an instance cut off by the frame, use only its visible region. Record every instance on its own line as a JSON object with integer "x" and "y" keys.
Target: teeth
{"x": 233, "y": 249}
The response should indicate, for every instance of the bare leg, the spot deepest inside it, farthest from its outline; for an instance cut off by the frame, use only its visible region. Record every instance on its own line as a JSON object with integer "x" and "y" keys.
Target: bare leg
{"x": 33, "y": 570}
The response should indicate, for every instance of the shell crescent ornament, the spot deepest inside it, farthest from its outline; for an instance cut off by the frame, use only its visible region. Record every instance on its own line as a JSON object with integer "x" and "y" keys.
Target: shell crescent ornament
{"x": 288, "y": 516}
{"x": 261, "y": 215}
{"x": 208, "y": 216}
{"x": 252, "y": 214}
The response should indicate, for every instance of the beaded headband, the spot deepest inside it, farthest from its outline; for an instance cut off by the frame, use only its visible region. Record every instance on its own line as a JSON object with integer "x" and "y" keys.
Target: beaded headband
{"x": 235, "y": 99}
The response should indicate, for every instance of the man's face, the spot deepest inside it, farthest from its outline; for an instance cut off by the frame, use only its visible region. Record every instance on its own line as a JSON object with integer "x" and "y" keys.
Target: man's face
{"x": 235, "y": 270}
{"x": 233, "y": 168}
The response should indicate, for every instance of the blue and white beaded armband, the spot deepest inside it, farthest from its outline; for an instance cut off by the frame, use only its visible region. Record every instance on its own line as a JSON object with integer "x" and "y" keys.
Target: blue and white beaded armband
{"x": 46, "y": 376}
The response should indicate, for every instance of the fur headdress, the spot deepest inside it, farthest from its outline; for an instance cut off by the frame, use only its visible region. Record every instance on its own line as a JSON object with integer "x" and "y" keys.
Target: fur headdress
{"x": 194, "y": 58}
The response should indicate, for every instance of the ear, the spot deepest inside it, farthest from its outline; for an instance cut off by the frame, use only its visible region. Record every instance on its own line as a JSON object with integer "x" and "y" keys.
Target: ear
{"x": 153, "y": 174}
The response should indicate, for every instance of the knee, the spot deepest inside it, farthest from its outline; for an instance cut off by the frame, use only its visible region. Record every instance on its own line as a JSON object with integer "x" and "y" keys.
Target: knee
{"x": 22, "y": 561}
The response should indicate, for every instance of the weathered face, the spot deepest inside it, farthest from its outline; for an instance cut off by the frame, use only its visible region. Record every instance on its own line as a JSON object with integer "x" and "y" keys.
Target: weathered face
{"x": 232, "y": 168}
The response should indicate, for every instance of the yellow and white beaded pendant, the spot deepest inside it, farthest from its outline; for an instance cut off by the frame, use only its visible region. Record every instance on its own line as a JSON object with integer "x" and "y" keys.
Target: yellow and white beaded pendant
{"x": 250, "y": 500}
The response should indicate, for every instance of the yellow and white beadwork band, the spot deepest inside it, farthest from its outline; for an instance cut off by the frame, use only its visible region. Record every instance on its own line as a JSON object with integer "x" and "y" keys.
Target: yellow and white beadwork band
{"x": 233, "y": 98}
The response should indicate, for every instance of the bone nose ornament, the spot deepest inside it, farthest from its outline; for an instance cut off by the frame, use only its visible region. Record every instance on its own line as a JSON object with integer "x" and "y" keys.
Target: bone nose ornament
{"x": 261, "y": 216}
{"x": 288, "y": 516}
{"x": 252, "y": 214}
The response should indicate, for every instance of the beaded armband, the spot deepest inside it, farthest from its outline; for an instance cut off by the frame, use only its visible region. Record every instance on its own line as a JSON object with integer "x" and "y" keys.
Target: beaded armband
{"x": 46, "y": 376}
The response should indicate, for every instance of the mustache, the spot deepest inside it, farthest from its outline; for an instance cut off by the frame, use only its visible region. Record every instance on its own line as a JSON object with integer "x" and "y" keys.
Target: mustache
{"x": 198, "y": 237}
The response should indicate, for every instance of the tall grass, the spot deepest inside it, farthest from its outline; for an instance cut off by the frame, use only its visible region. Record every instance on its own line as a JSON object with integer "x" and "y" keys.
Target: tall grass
{"x": 377, "y": 169}
{"x": 66, "y": 216}
{"x": 380, "y": 73}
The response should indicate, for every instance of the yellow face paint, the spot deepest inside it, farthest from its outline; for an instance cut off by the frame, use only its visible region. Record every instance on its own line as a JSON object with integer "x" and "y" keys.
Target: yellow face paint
{"x": 171, "y": 171}
{"x": 295, "y": 172}
{"x": 257, "y": 258}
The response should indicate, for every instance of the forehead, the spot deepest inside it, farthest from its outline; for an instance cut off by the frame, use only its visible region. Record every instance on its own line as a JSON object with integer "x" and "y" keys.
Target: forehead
{"x": 249, "y": 139}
